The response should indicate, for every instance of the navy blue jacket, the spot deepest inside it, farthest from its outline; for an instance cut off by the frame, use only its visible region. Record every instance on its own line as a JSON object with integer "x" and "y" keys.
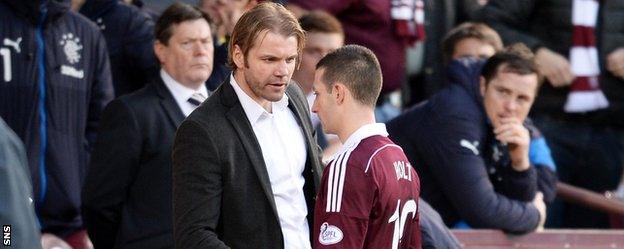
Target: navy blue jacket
{"x": 465, "y": 173}
{"x": 129, "y": 35}
{"x": 54, "y": 83}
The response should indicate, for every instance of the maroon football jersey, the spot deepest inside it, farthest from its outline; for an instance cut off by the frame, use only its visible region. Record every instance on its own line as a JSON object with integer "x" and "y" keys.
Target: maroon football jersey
{"x": 369, "y": 196}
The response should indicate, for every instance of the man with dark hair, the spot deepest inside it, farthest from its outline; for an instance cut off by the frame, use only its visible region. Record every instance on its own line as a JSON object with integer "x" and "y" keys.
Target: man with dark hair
{"x": 245, "y": 163}
{"x": 470, "y": 148}
{"x": 54, "y": 82}
{"x": 369, "y": 191}
{"x": 478, "y": 41}
{"x": 127, "y": 194}
{"x": 579, "y": 47}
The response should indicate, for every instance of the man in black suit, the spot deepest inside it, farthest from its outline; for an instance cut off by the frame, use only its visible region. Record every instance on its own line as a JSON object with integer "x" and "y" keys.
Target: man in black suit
{"x": 127, "y": 192}
{"x": 245, "y": 163}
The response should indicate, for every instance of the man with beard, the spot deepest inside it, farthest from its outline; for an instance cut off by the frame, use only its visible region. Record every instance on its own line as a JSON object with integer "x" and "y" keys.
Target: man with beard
{"x": 245, "y": 163}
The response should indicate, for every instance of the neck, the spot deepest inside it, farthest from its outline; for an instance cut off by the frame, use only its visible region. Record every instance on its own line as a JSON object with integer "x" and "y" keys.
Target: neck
{"x": 191, "y": 85}
{"x": 242, "y": 83}
{"x": 354, "y": 121}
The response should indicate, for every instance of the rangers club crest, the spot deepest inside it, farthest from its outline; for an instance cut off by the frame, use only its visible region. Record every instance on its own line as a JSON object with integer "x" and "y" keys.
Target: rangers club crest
{"x": 329, "y": 234}
{"x": 71, "y": 47}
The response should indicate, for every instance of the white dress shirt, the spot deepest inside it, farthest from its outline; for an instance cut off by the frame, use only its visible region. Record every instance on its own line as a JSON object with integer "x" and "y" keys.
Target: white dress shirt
{"x": 181, "y": 93}
{"x": 284, "y": 151}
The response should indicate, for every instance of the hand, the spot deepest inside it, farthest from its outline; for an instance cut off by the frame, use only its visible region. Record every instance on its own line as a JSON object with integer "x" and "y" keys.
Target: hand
{"x": 50, "y": 241}
{"x": 554, "y": 67}
{"x": 538, "y": 202}
{"x": 510, "y": 131}
{"x": 615, "y": 62}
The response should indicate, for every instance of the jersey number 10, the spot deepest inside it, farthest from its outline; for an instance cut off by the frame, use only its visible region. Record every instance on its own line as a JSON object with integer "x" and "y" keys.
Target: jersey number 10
{"x": 399, "y": 217}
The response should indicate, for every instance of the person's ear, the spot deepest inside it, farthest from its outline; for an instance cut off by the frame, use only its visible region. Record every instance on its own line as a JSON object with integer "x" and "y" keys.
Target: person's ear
{"x": 238, "y": 57}
{"x": 482, "y": 85}
{"x": 341, "y": 92}
{"x": 159, "y": 50}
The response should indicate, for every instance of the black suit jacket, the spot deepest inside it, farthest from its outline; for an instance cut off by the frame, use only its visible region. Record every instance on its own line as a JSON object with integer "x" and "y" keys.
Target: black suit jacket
{"x": 222, "y": 195}
{"x": 127, "y": 192}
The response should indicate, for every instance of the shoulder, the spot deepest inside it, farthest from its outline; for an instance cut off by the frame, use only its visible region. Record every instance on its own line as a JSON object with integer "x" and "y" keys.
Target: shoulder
{"x": 294, "y": 92}
{"x": 212, "y": 114}
{"x": 369, "y": 151}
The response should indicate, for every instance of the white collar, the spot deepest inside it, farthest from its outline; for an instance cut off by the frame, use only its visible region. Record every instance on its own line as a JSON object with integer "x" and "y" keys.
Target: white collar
{"x": 181, "y": 92}
{"x": 360, "y": 134}
{"x": 253, "y": 110}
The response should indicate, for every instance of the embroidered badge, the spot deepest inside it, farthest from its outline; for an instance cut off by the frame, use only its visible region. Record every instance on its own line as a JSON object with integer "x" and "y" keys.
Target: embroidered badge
{"x": 71, "y": 47}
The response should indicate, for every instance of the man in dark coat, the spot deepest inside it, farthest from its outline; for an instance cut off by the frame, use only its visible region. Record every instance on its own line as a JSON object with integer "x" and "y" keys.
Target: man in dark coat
{"x": 127, "y": 193}
{"x": 587, "y": 142}
{"x": 470, "y": 148}
{"x": 245, "y": 164}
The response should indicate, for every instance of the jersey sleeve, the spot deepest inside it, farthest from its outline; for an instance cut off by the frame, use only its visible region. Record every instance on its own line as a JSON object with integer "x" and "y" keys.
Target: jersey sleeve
{"x": 343, "y": 205}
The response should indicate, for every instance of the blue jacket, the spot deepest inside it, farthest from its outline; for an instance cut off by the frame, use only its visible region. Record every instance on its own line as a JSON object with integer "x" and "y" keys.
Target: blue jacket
{"x": 465, "y": 172}
{"x": 129, "y": 35}
{"x": 54, "y": 83}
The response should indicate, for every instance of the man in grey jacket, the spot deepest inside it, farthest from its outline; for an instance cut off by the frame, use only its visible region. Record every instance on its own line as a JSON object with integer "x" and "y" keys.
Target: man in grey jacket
{"x": 17, "y": 214}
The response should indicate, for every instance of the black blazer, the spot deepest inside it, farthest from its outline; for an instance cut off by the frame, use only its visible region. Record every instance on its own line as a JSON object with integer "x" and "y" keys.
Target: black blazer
{"x": 127, "y": 192}
{"x": 222, "y": 195}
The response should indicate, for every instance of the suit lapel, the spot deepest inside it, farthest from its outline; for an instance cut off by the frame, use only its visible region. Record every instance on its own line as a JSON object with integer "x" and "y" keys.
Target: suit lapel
{"x": 168, "y": 103}
{"x": 238, "y": 119}
{"x": 300, "y": 111}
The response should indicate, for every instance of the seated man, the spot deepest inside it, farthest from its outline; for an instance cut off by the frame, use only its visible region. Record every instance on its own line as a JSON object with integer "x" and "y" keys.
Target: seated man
{"x": 470, "y": 148}
{"x": 368, "y": 196}
{"x": 479, "y": 41}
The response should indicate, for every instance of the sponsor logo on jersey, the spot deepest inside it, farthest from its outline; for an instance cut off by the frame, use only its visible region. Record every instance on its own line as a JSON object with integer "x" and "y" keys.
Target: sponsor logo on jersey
{"x": 330, "y": 234}
{"x": 471, "y": 146}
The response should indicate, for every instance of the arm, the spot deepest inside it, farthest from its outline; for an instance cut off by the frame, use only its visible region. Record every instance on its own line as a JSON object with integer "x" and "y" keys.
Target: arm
{"x": 355, "y": 204}
{"x": 516, "y": 185}
{"x": 465, "y": 182}
{"x": 113, "y": 168}
{"x": 540, "y": 156}
{"x": 196, "y": 188}
{"x": 518, "y": 178}
{"x": 101, "y": 89}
